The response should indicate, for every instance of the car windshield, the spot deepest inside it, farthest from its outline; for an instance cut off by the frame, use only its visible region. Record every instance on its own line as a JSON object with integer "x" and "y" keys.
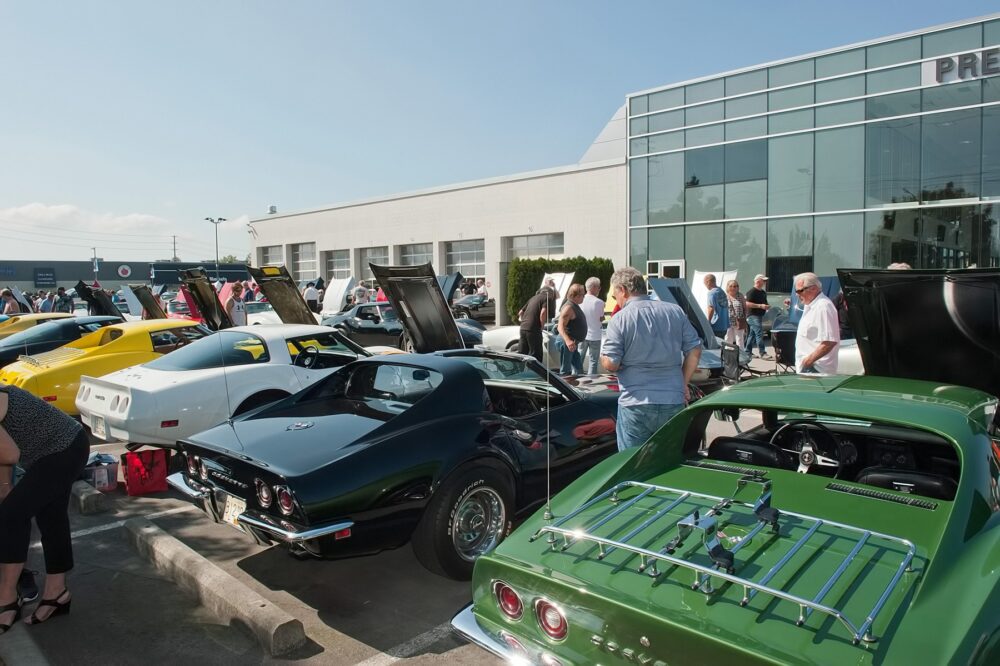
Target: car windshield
{"x": 43, "y": 331}
{"x": 221, "y": 349}
{"x": 256, "y": 307}
{"x": 178, "y": 307}
{"x": 379, "y": 389}
{"x": 324, "y": 342}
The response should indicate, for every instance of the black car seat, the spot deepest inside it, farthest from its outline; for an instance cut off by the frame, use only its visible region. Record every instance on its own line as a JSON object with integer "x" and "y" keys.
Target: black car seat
{"x": 909, "y": 481}
{"x": 748, "y": 451}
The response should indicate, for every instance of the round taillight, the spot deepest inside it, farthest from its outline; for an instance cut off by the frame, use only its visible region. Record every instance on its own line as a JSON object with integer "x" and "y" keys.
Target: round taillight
{"x": 124, "y": 404}
{"x": 285, "y": 501}
{"x": 264, "y": 495}
{"x": 551, "y": 619}
{"x": 192, "y": 462}
{"x": 508, "y": 600}
{"x": 202, "y": 470}
{"x": 114, "y": 403}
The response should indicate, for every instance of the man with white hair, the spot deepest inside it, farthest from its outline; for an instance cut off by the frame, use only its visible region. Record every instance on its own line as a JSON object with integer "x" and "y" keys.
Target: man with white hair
{"x": 593, "y": 311}
{"x": 818, "y": 339}
{"x": 654, "y": 349}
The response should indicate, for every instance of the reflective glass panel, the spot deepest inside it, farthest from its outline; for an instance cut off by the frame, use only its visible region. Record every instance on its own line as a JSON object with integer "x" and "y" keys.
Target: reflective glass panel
{"x": 793, "y": 72}
{"x": 638, "y": 146}
{"x": 666, "y": 242}
{"x": 840, "y": 63}
{"x": 746, "y": 199}
{"x": 790, "y": 121}
{"x": 991, "y": 151}
{"x": 892, "y": 236}
{"x": 638, "y": 104}
{"x": 745, "y": 129}
{"x": 894, "y": 79}
{"x": 703, "y": 203}
{"x": 790, "y": 174}
{"x": 789, "y": 237}
{"x": 668, "y": 141}
{"x": 666, "y": 188}
{"x": 790, "y": 97}
{"x": 666, "y": 99}
{"x": 849, "y": 86}
{"x": 840, "y": 169}
{"x": 745, "y": 242}
{"x": 746, "y": 106}
{"x": 839, "y": 243}
{"x": 890, "y": 53}
{"x": 703, "y": 246}
{"x": 948, "y": 236}
{"x": 988, "y": 247}
{"x": 637, "y": 192}
{"x": 835, "y": 114}
{"x": 701, "y": 136}
{"x": 746, "y": 82}
{"x": 898, "y": 104}
{"x": 704, "y": 166}
{"x": 638, "y": 125}
{"x": 705, "y": 113}
{"x": 950, "y": 159}
{"x": 638, "y": 248}
{"x": 892, "y": 161}
{"x": 706, "y": 90}
{"x": 955, "y": 40}
{"x": 991, "y": 89}
{"x": 746, "y": 160}
{"x": 956, "y": 94}
{"x": 666, "y": 121}
{"x": 991, "y": 33}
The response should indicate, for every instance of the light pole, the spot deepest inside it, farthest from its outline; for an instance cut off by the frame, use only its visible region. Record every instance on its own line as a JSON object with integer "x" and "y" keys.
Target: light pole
{"x": 216, "y": 221}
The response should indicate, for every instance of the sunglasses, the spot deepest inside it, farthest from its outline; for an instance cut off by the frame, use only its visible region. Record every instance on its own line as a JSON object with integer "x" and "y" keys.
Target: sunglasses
{"x": 799, "y": 291}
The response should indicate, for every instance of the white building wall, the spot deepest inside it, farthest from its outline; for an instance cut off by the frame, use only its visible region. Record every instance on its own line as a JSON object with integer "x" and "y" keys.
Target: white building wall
{"x": 587, "y": 203}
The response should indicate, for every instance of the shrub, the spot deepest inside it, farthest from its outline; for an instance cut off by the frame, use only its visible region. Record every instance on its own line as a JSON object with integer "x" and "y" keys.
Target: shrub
{"x": 524, "y": 276}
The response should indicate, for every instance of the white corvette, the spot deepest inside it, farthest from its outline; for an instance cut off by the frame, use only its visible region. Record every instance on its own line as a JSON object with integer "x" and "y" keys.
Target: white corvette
{"x": 202, "y": 384}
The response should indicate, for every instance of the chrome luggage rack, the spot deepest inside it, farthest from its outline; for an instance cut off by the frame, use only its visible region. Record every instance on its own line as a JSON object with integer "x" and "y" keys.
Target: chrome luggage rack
{"x": 705, "y": 525}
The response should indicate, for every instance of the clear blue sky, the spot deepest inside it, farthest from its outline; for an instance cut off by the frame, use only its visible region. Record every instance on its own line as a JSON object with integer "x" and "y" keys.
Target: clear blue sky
{"x": 140, "y": 118}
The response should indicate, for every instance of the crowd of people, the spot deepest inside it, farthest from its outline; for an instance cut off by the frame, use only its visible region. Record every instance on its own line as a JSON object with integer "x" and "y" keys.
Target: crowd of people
{"x": 41, "y": 301}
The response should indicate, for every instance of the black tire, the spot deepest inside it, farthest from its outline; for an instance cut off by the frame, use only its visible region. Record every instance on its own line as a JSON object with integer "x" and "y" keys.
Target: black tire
{"x": 513, "y": 346}
{"x": 259, "y": 400}
{"x": 434, "y": 540}
{"x": 463, "y": 313}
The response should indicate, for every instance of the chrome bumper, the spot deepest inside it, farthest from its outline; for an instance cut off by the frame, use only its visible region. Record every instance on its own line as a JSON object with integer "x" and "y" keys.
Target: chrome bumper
{"x": 281, "y": 533}
{"x": 466, "y": 625}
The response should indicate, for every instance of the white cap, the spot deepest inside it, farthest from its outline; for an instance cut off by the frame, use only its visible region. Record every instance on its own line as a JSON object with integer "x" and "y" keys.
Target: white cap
{"x": 759, "y": 277}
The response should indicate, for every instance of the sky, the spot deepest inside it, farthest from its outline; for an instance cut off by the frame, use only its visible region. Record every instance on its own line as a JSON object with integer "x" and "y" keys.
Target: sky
{"x": 125, "y": 123}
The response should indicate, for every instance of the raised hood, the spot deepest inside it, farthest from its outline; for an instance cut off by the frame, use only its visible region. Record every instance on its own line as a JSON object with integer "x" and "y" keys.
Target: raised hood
{"x": 150, "y": 304}
{"x": 98, "y": 302}
{"x": 282, "y": 293}
{"x": 422, "y": 307}
{"x": 203, "y": 293}
{"x": 675, "y": 290}
{"x": 449, "y": 283}
{"x": 935, "y": 325}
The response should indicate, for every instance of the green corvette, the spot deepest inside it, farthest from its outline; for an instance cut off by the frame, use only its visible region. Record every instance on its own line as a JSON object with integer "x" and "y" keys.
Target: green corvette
{"x": 791, "y": 519}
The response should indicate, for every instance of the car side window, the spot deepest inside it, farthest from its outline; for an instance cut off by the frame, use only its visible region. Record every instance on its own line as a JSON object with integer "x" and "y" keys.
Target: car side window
{"x": 164, "y": 341}
{"x": 192, "y": 333}
{"x": 111, "y": 335}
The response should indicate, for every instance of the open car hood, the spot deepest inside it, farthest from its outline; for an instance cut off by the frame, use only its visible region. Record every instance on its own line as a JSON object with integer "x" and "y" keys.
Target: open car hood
{"x": 935, "y": 325}
{"x": 150, "y": 304}
{"x": 98, "y": 301}
{"x": 283, "y": 294}
{"x": 422, "y": 308}
{"x": 449, "y": 283}
{"x": 202, "y": 292}
{"x": 676, "y": 290}
{"x": 335, "y": 296}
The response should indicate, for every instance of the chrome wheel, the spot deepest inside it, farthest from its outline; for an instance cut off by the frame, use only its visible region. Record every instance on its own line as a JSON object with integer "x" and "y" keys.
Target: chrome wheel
{"x": 478, "y": 523}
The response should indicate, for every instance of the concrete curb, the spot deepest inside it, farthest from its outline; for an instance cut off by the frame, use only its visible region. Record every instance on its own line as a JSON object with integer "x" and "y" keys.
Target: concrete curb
{"x": 17, "y": 647}
{"x": 89, "y": 500}
{"x": 224, "y": 596}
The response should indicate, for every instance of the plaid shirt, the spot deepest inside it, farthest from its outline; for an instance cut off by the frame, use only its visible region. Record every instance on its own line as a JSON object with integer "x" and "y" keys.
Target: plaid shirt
{"x": 737, "y": 308}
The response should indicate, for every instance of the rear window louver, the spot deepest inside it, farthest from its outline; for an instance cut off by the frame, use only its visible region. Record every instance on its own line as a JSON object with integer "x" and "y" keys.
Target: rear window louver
{"x": 882, "y": 495}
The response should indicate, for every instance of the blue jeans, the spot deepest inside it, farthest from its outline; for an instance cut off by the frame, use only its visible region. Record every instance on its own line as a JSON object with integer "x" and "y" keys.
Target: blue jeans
{"x": 594, "y": 347}
{"x": 637, "y": 423}
{"x": 570, "y": 363}
{"x": 756, "y": 333}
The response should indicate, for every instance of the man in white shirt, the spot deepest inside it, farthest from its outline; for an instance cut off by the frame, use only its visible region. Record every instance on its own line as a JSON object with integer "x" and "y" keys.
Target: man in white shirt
{"x": 235, "y": 307}
{"x": 817, "y": 342}
{"x": 311, "y": 295}
{"x": 481, "y": 288}
{"x": 593, "y": 312}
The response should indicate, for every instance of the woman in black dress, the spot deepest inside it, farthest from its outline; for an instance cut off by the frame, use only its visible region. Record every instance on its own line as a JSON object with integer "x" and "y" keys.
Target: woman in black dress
{"x": 52, "y": 448}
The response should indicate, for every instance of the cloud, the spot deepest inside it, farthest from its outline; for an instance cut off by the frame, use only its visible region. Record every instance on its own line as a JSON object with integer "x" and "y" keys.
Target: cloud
{"x": 72, "y": 219}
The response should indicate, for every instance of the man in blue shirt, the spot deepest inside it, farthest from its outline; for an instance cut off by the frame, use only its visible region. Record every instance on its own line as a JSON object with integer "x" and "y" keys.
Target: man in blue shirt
{"x": 718, "y": 307}
{"x": 654, "y": 349}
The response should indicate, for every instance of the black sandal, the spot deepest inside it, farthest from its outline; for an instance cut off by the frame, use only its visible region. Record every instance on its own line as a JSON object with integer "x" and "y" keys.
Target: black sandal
{"x": 60, "y": 608}
{"x": 12, "y": 606}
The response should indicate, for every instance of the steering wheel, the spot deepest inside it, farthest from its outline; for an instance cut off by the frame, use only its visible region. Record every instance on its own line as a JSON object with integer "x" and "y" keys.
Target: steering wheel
{"x": 818, "y": 445}
{"x": 307, "y": 357}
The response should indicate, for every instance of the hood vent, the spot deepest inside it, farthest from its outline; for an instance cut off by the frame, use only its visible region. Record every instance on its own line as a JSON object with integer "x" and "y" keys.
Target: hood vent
{"x": 734, "y": 469}
{"x": 881, "y": 495}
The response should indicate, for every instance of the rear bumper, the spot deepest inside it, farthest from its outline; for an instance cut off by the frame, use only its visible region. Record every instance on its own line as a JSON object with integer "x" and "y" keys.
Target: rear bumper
{"x": 264, "y": 529}
{"x": 466, "y": 626}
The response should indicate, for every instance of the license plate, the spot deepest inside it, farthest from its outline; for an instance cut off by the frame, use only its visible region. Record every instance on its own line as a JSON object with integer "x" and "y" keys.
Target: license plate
{"x": 97, "y": 427}
{"x": 233, "y": 508}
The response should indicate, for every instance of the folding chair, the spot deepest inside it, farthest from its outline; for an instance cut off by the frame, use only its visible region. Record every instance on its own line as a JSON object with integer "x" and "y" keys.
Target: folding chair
{"x": 734, "y": 370}
{"x": 784, "y": 349}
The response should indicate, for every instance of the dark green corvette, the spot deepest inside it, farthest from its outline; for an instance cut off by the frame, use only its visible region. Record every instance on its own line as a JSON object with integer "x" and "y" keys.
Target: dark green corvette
{"x": 832, "y": 520}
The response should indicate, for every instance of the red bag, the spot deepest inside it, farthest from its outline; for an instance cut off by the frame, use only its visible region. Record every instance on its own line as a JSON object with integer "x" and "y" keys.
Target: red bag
{"x": 146, "y": 471}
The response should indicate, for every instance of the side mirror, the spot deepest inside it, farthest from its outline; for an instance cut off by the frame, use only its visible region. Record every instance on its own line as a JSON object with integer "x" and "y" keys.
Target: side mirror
{"x": 729, "y": 414}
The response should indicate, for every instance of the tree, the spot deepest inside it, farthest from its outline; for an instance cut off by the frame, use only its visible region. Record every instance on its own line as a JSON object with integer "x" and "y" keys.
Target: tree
{"x": 230, "y": 259}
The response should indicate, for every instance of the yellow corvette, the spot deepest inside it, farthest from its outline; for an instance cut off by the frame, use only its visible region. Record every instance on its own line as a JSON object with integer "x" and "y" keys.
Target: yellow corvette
{"x": 22, "y": 322}
{"x": 55, "y": 376}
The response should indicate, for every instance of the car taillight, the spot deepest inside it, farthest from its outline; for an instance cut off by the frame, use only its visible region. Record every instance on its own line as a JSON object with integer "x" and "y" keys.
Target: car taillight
{"x": 508, "y": 600}
{"x": 515, "y": 645}
{"x": 551, "y": 619}
{"x": 114, "y": 403}
{"x": 169, "y": 424}
{"x": 192, "y": 462}
{"x": 50, "y": 398}
{"x": 124, "y": 405}
{"x": 285, "y": 501}
{"x": 264, "y": 495}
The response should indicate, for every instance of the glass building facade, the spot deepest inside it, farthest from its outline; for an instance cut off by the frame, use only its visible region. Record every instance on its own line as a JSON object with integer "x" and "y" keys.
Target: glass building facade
{"x": 855, "y": 157}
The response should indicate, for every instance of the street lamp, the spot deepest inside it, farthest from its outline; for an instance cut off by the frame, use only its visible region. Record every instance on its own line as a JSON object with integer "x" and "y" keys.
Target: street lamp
{"x": 216, "y": 221}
